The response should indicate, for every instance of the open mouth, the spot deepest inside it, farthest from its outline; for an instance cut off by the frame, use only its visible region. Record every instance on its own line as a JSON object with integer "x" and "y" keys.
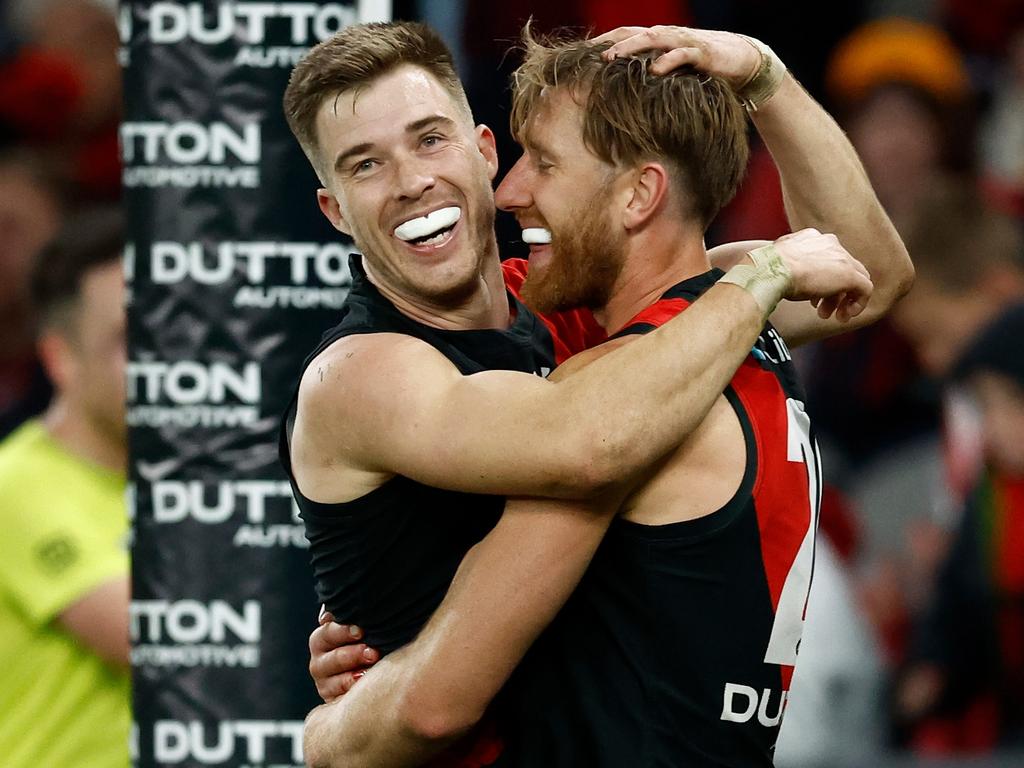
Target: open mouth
{"x": 432, "y": 229}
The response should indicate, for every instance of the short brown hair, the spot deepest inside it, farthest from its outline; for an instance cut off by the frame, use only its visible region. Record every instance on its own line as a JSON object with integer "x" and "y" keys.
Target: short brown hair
{"x": 354, "y": 58}
{"x": 693, "y": 123}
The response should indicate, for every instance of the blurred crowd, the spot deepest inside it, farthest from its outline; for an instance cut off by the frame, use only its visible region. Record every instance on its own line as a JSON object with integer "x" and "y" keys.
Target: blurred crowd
{"x": 915, "y": 638}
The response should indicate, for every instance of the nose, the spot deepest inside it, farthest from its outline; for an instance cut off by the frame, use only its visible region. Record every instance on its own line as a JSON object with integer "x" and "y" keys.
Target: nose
{"x": 513, "y": 193}
{"x": 414, "y": 178}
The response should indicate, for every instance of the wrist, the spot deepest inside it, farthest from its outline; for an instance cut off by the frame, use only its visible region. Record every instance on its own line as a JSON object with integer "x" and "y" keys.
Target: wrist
{"x": 766, "y": 278}
{"x": 766, "y": 80}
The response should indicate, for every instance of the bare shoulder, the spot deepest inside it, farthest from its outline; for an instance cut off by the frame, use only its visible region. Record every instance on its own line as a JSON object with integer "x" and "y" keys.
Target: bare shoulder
{"x": 360, "y": 367}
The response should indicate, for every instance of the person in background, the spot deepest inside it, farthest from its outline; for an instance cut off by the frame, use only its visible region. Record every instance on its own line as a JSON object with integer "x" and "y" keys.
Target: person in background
{"x": 964, "y": 687}
{"x": 64, "y": 574}
{"x": 31, "y": 211}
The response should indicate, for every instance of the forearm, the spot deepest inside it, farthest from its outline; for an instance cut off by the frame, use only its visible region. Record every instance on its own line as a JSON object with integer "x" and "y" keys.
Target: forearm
{"x": 826, "y": 187}
{"x": 642, "y": 399}
{"x": 364, "y": 728}
{"x": 507, "y": 589}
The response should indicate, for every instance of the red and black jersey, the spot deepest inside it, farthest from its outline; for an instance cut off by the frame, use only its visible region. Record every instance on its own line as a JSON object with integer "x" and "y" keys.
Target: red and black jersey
{"x": 678, "y": 646}
{"x": 572, "y": 331}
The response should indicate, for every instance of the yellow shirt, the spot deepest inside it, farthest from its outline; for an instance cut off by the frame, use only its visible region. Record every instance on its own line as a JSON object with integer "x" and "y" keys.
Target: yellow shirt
{"x": 63, "y": 532}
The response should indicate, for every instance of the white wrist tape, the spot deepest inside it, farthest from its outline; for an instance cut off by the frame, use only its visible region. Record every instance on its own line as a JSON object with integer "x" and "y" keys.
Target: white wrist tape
{"x": 765, "y": 81}
{"x": 767, "y": 279}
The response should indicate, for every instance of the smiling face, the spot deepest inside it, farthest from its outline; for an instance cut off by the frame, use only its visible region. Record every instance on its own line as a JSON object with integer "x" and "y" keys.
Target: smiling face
{"x": 408, "y": 177}
{"x": 560, "y": 185}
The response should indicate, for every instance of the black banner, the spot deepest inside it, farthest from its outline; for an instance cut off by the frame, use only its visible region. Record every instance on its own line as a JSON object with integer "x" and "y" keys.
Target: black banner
{"x": 233, "y": 275}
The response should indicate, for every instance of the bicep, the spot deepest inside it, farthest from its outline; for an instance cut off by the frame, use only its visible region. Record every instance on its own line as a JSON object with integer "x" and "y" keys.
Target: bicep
{"x": 99, "y": 620}
{"x": 398, "y": 406}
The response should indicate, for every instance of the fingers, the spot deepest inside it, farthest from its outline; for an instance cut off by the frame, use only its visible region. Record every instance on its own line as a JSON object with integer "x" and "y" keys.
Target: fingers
{"x": 329, "y": 636}
{"x": 617, "y": 34}
{"x": 676, "y": 58}
{"x": 333, "y": 686}
{"x": 647, "y": 39}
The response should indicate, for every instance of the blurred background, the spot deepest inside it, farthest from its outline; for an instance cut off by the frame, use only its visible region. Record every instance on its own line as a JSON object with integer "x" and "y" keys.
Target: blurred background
{"x": 915, "y": 641}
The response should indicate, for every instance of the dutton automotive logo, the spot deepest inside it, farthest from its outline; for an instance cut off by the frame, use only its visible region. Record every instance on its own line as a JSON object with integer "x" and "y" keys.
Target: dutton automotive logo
{"x": 247, "y": 743}
{"x": 191, "y": 633}
{"x": 264, "y": 511}
{"x": 188, "y": 393}
{"x": 275, "y": 273}
{"x": 266, "y": 34}
{"x": 190, "y": 154}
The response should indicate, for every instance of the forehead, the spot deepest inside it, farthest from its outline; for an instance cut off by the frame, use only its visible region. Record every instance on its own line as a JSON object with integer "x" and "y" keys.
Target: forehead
{"x": 386, "y": 105}
{"x": 555, "y": 122}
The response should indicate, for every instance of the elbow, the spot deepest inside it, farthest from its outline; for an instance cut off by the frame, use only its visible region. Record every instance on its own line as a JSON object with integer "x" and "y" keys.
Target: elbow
{"x": 314, "y": 751}
{"x": 437, "y": 719}
{"x": 606, "y": 462}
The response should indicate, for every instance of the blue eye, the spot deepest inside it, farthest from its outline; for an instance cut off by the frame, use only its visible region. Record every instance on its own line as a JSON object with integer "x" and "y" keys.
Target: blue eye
{"x": 364, "y": 165}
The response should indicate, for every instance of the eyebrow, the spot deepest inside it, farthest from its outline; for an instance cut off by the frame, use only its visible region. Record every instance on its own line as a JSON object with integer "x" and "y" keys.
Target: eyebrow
{"x": 417, "y": 125}
{"x": 535, "y": 147}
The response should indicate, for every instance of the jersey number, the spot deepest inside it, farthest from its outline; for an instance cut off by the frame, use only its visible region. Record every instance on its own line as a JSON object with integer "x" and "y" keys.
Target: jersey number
{"x": 789, "y": 615}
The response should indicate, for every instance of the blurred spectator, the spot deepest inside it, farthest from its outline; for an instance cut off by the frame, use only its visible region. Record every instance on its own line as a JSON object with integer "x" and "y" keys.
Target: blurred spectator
{"x": 30, "y": 213}
{"x": 970, "y": 266}
{"x": 61, "y": 91}
{"x": 967, "y": 671}
{"x": 1002, "y": 134}
{"x": 64, "y": 584}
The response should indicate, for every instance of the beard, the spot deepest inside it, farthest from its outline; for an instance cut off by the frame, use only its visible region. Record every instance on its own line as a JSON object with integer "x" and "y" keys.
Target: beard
{"x": 585, "y": 263}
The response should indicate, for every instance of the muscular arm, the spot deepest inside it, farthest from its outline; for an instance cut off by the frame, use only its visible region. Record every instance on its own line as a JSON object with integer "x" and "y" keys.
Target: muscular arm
{"x": 823, "y": 181}
{"x": 508, "y": 588}
{"x": 825, "y": 186}
{"x": 384, "y": 404}
{"x": 393, "y": 405}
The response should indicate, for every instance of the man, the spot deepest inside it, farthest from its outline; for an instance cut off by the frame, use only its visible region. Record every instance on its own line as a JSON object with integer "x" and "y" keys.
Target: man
{"x": 381, "y": 415}
{"x": 370, "y": 159}
{"x": 63, "y": 556}
{"x": 966, "y": 658}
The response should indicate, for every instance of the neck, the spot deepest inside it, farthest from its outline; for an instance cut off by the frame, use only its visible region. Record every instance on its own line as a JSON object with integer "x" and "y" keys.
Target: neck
{"x": 656, "y": 259}
{"x": 485, "y": 306}
{"x": 77, "y": 434}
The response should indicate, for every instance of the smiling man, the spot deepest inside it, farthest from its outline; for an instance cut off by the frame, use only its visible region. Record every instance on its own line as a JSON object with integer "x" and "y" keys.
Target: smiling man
{"x": 417, "y": 402}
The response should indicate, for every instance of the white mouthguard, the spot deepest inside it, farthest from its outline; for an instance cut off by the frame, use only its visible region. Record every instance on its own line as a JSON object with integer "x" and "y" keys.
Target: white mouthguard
{"x": 413, "y": 229}
{"x": 536, "y": 236}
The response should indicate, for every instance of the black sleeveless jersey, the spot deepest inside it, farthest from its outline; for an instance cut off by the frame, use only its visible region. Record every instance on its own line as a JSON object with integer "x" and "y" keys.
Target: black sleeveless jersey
{"x": 384, "y": 561}
{"x": 677, "y": 647}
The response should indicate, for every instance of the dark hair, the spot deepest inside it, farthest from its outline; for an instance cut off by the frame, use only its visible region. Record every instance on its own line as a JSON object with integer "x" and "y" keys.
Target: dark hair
{"x": 692, "y": 123}
{"x": 89, "y": 239}
{"x": 354, "y": 58}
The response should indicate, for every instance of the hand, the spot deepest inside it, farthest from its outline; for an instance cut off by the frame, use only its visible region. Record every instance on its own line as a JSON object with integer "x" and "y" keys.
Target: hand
{"x": 824, "y": 272}
{"x": 336, "y": 657}
{"x": 724, "y": 54}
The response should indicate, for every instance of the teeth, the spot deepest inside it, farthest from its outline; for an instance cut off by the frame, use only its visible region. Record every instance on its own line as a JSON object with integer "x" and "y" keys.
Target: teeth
{"x": 429, "y": 224}
{"x": 536, "y": 236}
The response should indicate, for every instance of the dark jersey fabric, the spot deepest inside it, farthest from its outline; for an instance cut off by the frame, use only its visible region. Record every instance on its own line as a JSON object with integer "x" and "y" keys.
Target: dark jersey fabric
{"x": 385, "y": 560}
{"x": 677, "y": 647}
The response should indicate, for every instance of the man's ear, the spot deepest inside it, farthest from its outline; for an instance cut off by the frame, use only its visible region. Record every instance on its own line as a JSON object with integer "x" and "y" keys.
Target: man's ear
{"x": 332, "y": 210}
{"x": 57, "y": 358}
{"x": 488, "y": 148}
{"x": 647, "y": 190}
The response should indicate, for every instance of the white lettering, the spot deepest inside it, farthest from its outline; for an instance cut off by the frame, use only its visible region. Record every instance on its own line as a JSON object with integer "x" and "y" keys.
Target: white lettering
{"x": 172, "y": 262}
{"x": 191, "y": 621}
{"x": 176, "y": 742}
{"x": 171, "y": 23}
{"x": 188, "y": 142}
{"x": 174, "y": 501}
{"x": 729, "y": 712}
{"x": 188, "y": 382}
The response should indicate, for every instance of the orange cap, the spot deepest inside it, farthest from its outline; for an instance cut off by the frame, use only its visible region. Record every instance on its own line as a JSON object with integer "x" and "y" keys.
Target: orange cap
{"x": 896, "y": 51}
